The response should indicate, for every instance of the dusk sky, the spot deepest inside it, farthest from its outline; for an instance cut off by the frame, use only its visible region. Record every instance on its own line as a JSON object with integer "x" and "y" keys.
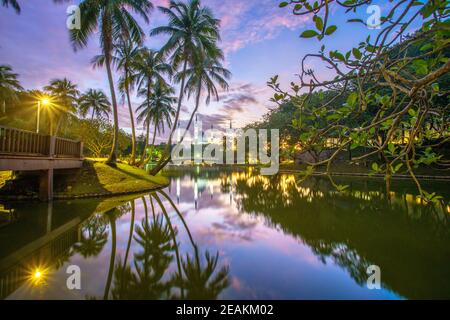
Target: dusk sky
{"x": 258, "y": 38}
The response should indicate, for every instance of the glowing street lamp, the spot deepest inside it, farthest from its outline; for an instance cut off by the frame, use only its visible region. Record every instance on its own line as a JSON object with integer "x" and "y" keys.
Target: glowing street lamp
{"x": 43, "y": 102}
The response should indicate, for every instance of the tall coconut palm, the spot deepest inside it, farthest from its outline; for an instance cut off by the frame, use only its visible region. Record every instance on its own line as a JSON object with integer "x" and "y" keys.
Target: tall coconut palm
{"x": 9, "y": 85}
{"x": 153, "y": 261}
{"x": 192, "y": 29}
{"x": 126, "y": 53}
{"x": 95, "y": 101}
{"x": 150, "y": 68}
{"x": 111, "y": 19}
{"x": 157, "y": 109}
{"x": 202, "y": 78}
{"x": 12, "y": 3}
{"x": 112, "y": 216}
{"x": 94, "y": 236}
{"x": 64, "y": 95}
{"x": 201, "y": 279}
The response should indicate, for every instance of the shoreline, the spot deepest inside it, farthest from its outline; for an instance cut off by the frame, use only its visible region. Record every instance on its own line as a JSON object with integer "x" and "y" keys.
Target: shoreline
{"x": 376, "y": 175}
{"x": 57, "y": 197}
{"x": 93, "y": 180}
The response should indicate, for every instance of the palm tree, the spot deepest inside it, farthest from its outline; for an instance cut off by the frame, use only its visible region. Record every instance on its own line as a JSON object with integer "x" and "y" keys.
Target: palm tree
{"x": 203, "y": 75}
{"x": 8, "y": 85}
{"x": 200, "y": 280}
{"x": 112, "y": 216}
{"x": 112, "y": 20}
{"x": 192, "y": 29}
{"x": 93, "y": 237}
{"x": 157, "y": 109}
{"x": 13, "y": 4}
{"x": 65, "y": 95}
{"x": 152, "y": 263}
{"x": 96, "y": 101}
{"x": 150, "y": 69}
{"x": 126, "y": 53}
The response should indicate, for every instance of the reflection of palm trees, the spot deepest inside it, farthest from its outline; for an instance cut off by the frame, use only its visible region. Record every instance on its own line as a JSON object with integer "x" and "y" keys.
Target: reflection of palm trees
{"x": 131, "y": 232}
{"x": 147, "y": 278}
{"x": 200, "y": 280}
{"x": 112, "y": 216}
{"x": 93, "y": 237}
{"x": 356, "y": 228}
{"x": 152, "y": 263}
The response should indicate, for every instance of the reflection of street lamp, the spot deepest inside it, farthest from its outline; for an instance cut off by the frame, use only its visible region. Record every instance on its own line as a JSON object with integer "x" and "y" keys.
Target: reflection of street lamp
{"x": 44, "y": 102}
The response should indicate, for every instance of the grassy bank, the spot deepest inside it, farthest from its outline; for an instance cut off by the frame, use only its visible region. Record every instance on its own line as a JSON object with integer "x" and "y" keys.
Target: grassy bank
{"x": 93, "y": 180}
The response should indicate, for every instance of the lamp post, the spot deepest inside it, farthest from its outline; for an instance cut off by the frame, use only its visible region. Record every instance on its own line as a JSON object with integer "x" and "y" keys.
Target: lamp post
{"x": 44, "y": 102}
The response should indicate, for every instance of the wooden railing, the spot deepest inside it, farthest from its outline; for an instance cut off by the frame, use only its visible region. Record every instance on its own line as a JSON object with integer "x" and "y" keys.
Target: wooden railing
{"x": 27, "y": 143}
{"x": 68, "y": 148}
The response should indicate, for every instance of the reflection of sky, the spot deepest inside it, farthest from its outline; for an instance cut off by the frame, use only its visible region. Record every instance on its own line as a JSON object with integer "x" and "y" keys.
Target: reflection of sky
{"x": 258, "y": 38}
{"x": 264, "y": 261}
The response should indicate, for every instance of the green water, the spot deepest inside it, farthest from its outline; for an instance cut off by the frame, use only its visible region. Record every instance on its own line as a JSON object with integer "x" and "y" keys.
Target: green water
{"x": 217, "y": 234}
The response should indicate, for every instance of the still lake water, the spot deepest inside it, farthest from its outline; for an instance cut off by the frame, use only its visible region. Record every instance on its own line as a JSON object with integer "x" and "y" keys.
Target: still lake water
{"x": 217, "y": 234}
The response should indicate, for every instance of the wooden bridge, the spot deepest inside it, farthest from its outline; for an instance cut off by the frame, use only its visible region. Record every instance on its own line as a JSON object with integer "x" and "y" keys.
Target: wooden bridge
{"x": 22, "y": 150}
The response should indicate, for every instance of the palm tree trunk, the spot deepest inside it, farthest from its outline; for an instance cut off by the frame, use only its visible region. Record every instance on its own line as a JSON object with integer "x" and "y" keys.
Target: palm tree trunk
{"x": 197, "y": 103}
{"x": 160, "y": 164}
{"x": 152, "y": 146}
{"x": 133, "y": 130}
{"x": 113, "y": 254}
{"x": 115, "y": 145}
{"x": 93, "y": 112}
{"x": 165, "y": 159}
{"x": 145, "y": 144}
{"x": 174, "y": 239}
{"x": 58, "y": 125}
{"x": 130, "y": 237}
{"x": 145, "y": 209}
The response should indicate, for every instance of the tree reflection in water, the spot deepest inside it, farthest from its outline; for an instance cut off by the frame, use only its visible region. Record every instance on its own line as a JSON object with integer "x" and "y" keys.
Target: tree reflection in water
{"x": 357, "y": 228}
{"x": 149, "y": 274}
{"x": 93, "y": 236}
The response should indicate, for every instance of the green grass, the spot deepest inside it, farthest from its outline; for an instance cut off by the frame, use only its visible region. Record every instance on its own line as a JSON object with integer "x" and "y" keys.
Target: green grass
{"x": 4, "y": 176}
{"x": 97, "y": 177}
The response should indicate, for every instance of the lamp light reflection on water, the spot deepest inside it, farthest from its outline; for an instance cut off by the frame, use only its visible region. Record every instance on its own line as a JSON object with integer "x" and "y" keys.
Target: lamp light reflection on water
{"x": 38, "y": 276}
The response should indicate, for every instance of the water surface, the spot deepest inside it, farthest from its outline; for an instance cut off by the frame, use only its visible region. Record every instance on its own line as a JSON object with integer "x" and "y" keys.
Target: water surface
{"x": 216, "y": 234}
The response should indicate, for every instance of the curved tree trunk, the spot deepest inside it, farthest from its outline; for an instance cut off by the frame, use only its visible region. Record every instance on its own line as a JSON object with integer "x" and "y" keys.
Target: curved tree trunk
{"x": 174, "y": 239}
{"x": 112, "y": 159}
{"x": 165, "y": 159}
{"x": 130, "y": 237}
{"x": 152, "y": 146}
{"x": 58, "y": 125}
{"x": 145, "y": 144}
{"x": 133, "y": 130}
{"x": 160, "y": 164}
{"x": 113, "y": 254}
